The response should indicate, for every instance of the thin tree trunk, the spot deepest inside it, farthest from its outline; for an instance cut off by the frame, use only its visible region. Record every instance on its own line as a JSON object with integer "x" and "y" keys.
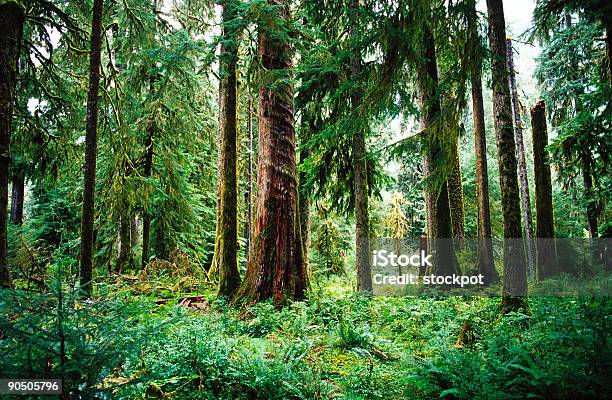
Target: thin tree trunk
{"x": 587, "y": 180}
{"x": 11, "y": 31}
{"x": 362, "y": 223}
{"x": 522, "y": 164}
{"x": 455, "y": 198}
{"x": 304, "y": 204}
{"x": 515, "y": 276}
{"x": 276, "y": 266}
{"x": 440, "y": 230}
{"x": 545, "y": 225}
{"x": 486, "y": 265}
{"x": 125, "y": 243}
{"x": 249, "y": 191}
{"x": 91, "y": 144}
{"x": 17, "y": 198}
{"x": 146, "y": 216}
{"x": 225, "y": 259}
{"x": 608, "y": 24}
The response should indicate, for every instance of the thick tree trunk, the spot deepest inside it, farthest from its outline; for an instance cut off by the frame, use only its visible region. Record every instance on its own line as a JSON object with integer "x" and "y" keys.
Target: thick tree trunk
{"x": 545, "y": 225}
{"x": 91, "y": 144}
{"x": 276, "y": 266}
{"x": 522, "y": 164}
{"x": 440, "y": 231}
{"x": 225, "y": 259}
{"x": 455, "y": 198}
{"x": 17, "y": 198}
{"x": 362, "y": 223}
{"x": 11, "y": 31}
{"x": 486, "y": 265}
{"x": 515, "y": 276}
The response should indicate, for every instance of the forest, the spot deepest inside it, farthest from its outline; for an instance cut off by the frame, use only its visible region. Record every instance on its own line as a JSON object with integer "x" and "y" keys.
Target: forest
{"x": 306, "y": 199}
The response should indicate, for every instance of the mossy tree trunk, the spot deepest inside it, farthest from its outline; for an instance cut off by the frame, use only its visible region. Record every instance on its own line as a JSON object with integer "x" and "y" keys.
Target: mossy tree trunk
{"x": 455, "y": 198}
{"x": 276, "y": 267}
{"x": 362, "y": 223}
{"x": 225, "y": 259}
{"x": 12, "y": 16}
{"x": 515, "y": 275}
{"x": 486, "y": 265}
{"x": 546, "y": 253}
{"x": 440, "y": 230}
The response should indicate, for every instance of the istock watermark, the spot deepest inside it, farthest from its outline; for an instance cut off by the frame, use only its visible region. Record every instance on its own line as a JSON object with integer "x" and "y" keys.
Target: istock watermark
{"x": 385, "y": 258}
{"x": 444, "y": 267}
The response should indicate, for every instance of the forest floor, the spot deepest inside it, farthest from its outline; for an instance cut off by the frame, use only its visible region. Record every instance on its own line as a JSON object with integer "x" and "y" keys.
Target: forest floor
{"x": 164, "y": 339}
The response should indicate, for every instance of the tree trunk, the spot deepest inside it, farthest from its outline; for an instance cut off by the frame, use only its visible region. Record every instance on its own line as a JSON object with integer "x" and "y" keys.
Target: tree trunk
{"x": 362, "y": 223}
{"x": 125, "y": 243}
{"x": 522, "y": 164}
{"x": 608, "y": 24}
{"x": 455, "y": 198}
{"x": 546, "y": 252}
{"x": 148, "y": 170}
{"x": 249, "y": 191}
{"x": 440, "y": 230}
{"x": 304, "y": 204}
{"x": 587, "y": 179}
{"x": 17, "y": 198}
{"x": 225, "y": 259}
{"x": 486, "y": 265}
{"x": 11, "y": 30}
{"x": 276, "y": 266}
{"x": 91, "y": 144}
{"x": 515, "y": 276}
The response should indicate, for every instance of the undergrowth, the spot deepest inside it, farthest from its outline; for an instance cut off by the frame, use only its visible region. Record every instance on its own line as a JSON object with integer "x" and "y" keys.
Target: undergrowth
{"x": 135, "y": 345}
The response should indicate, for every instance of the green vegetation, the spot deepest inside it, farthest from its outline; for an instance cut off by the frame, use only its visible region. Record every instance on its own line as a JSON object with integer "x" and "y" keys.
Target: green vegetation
{"x": 132, "y": 343}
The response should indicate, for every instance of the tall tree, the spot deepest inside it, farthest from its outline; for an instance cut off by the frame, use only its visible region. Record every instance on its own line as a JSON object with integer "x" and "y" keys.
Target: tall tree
{"x": 362, "y": 224}
{"x": 515, "y": 276}
{"x": 570, "y": 75}
{"x": 12, "y": 15}
{"x": 545, "y": 225}
{"x": 276, "y": 267}
{"x": 91, "y": 144}
{"x": 486, "y": 265}
{"x": 225, "y": 259}
{"x": 439, "y": 225}
{"x": 522, "y": 163}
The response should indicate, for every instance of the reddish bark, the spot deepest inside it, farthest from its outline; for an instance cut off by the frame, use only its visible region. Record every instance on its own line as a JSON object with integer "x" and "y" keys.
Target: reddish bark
{"x": 276, "y": 266}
